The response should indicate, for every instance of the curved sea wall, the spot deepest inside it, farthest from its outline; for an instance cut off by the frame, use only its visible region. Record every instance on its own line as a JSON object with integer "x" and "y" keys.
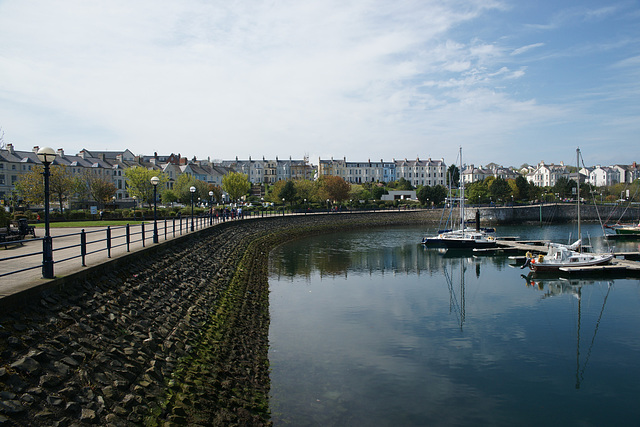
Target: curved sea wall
{"x": 173, "y": 335}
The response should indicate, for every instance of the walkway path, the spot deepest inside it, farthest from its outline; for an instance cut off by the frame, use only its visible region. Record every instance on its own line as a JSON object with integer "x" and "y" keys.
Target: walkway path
{"x": 66, "y": 243}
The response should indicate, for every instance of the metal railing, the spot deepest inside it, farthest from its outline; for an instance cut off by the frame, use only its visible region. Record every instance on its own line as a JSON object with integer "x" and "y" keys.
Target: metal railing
{"x": 81, "y": 244}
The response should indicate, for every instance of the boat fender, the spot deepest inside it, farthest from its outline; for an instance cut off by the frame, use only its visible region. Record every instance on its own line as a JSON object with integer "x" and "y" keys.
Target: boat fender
{"x": 540, "y": 258}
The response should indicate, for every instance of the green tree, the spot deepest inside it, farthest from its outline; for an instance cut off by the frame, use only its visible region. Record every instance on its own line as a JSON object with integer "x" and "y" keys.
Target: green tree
{"x": 522, "y": 185}
{"x": 139, "y": 183}
{"x": 61, "y": 185}
{"x": 563, "y": 186}
{"x": 377, "y": 192}
{"x": 236, "y": 185}
{"x": 306, "y": 189}
{"x": 401, "y": 184}
{"x": 436, "y": 194}
{"x": 288, "y": 192}
{"x": 500, "y": 189}
{"x": 453, "y": 176}
{"x": 477, "y": 192}
{"x": 169, "y": 197}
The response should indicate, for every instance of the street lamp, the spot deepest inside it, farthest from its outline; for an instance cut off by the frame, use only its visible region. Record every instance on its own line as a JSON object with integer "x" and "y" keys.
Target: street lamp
{"x": 210, "y": 207}
{"x": 155, "y": 180}
{"x": 193, "y": 190}
{"x": 46, "y": 155}
{"x": 113, "y": 198}
{"x": 135, "y": 204}
{"x": 283, "y": 206}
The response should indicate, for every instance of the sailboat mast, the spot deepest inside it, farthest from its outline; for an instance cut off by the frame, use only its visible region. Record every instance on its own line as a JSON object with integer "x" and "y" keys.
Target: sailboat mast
{"x": 461, "y": 194}
{"x": 578, "y": 181}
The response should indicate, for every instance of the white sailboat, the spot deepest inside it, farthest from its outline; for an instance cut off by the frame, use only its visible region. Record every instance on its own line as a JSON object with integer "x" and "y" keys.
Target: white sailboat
{"x": 560, "y": 256}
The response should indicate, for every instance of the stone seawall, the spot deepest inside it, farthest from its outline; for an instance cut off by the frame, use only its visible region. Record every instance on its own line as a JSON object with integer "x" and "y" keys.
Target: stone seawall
{"x": 553, "y": 213}
{"x": 176, "y": 335}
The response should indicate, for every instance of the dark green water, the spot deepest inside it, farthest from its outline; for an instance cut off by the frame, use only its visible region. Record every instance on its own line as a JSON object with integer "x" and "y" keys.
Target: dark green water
{"x": 370, "y": 329}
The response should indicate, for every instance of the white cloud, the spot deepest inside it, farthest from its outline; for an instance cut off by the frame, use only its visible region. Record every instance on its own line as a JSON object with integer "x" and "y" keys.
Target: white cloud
{"x": 524, "y": 49}
{"x": 222, "y": 79}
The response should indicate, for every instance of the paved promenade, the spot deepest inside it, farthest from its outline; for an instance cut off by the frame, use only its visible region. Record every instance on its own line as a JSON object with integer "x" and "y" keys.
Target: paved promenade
{"x": 66, "y": 245}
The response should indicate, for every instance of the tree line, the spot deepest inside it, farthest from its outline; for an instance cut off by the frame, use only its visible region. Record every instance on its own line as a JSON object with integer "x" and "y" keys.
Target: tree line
{"x": 90, "y": 187}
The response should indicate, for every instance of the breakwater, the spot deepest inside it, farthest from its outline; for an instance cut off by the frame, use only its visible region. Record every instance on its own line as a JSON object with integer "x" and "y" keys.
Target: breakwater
{"x": 177, "y": 334}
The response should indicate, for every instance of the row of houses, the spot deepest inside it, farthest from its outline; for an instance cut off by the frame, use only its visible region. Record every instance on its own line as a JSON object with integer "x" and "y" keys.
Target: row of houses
{"x": 546, "y": 175}
{"x": 417, "y": 172}
{"x": 429, "y": 172}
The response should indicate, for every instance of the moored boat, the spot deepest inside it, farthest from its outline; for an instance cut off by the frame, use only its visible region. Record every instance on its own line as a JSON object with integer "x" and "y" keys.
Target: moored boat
{"x": 464, "y": 237}
{"x": 559, "y": 256}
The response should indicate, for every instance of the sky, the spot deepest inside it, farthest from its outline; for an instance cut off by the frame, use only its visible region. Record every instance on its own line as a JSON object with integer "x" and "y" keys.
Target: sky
{"x": 509, "y": 81}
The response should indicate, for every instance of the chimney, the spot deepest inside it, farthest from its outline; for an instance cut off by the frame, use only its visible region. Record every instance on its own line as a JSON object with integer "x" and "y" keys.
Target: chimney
{"x": 10, "y": 148}
{"x": 60, "y": 152}
{"x": 35, "y": 149}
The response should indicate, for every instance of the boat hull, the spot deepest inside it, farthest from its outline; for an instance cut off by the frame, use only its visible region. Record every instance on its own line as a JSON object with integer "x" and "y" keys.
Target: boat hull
{"x": 628, "y": 230}
{"x": 552, "y": 266}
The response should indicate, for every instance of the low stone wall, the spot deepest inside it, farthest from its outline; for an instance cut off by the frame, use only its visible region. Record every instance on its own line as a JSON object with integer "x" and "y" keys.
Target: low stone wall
{"x": 553, "y": 213}
{"x": 178, "y": 335}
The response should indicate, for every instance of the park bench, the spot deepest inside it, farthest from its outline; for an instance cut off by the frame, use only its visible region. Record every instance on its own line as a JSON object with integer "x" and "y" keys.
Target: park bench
{"x": 9, "y": 235}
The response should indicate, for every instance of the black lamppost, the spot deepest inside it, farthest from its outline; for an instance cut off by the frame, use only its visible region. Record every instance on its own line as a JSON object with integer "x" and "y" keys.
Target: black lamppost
{"x": 283, "y": 206}
{"x": 46, "y": 155}
{"x": 210, "y": 208}
{"x": 135, "y": 204}
{"x": 193, "y": 190}
{"x": 155, "y": 180}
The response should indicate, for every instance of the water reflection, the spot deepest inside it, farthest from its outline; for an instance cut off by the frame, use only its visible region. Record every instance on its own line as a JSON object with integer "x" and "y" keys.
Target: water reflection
{"x": 372, "y": 329}
{"x": 553, "y": 287}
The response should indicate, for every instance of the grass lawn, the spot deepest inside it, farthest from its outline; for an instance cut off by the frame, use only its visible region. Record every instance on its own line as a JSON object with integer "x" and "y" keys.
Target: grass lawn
{"x": 83, "y": 224}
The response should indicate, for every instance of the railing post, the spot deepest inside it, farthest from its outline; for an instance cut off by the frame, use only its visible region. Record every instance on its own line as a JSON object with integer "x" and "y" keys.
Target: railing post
{"x": 142, "y": 231}
{"x": 108, "y": 241}
{"x": 128, "y": 238}
{"x": 83, "y": 247}
{"x": 174, "y": 226}
{"x": 165, "y": 228}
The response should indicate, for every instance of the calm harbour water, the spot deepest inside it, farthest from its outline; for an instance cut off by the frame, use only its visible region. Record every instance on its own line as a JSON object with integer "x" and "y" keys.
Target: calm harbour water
{"x": 369, "y": 328}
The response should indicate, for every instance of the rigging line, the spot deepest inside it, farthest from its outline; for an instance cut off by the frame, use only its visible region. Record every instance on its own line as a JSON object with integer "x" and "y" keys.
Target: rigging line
{"x": 594, "y": 205}
{"x": 593, "y": 339}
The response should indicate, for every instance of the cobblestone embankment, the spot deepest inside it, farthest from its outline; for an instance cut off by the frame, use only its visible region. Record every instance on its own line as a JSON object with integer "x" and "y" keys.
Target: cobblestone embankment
{"x": 176, "y": 337}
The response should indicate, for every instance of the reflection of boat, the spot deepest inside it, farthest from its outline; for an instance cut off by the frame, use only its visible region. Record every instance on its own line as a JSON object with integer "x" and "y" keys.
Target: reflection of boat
{"x": 457, "y": 302}
{"x": 556, "y": 287}
{"x": 559, "y": 256}
{"x": 464, "y": 237}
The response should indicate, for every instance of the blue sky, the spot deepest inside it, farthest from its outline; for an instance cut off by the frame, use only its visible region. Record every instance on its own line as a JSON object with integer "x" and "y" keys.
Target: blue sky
{"x": 511, "y": 82}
